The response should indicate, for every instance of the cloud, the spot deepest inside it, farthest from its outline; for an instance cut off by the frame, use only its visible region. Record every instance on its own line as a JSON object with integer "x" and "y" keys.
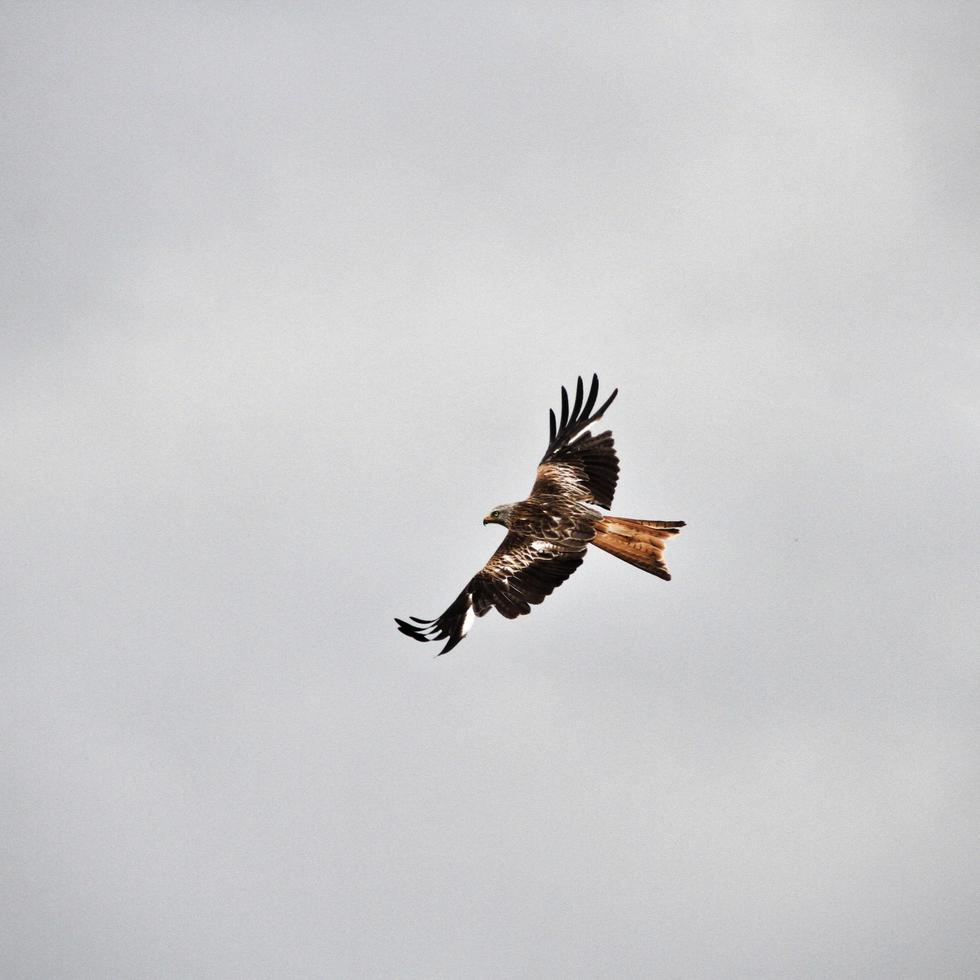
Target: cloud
{"x": 288, "y": 299}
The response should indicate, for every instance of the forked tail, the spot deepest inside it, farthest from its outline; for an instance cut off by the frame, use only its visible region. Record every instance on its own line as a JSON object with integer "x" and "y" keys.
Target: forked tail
{"x": 641, "y": 543}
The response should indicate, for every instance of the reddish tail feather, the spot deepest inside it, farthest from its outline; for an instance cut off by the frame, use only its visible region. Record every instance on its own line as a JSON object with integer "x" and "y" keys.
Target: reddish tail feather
{"x": 641, "y": 543}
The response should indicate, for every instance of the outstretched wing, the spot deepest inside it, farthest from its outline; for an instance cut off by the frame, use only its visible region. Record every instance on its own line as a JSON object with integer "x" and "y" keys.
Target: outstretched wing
{"x": 520, "y": 573}
{"x": 578, "y": 465}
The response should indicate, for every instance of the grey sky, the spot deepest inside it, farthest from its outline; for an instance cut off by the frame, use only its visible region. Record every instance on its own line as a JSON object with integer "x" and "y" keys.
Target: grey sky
{"x": 288, "y": 292}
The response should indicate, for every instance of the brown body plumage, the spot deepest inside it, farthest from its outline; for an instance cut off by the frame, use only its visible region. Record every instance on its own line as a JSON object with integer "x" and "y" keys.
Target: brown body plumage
{"x": 548, "y": 533}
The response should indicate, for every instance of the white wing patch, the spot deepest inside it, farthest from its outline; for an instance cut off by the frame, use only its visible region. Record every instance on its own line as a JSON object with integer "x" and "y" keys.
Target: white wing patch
{"x": 470, "y": 615}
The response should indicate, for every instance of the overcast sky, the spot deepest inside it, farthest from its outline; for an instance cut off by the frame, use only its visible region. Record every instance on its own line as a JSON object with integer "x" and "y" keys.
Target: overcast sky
{"x": 288, "y": 291}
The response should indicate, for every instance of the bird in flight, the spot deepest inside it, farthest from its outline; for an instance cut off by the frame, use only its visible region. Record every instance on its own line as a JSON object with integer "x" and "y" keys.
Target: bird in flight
{"x": 547, "y": 534}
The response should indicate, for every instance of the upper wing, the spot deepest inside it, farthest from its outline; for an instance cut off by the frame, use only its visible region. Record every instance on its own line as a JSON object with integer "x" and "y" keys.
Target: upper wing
{"x": 585, "y": 468}
{"x": 519, "y": 574}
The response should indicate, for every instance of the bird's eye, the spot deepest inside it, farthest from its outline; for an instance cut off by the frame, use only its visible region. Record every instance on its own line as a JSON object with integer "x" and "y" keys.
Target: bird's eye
{"x": 495, "y": 513}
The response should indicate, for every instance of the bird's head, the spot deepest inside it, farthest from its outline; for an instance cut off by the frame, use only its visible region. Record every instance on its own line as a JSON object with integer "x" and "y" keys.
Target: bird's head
{"x": 499, "y": 515}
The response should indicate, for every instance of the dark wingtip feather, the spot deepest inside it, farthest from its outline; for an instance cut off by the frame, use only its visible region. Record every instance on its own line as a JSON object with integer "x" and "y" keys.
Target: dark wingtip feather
{"x": 593, "y": 393}
{"x": 579, "y": 395}
{"x": 581, "y": 416}
{"x": 409, "y": 630}
{"x": 452, "y": 642}
{"x": 606, "y": 404}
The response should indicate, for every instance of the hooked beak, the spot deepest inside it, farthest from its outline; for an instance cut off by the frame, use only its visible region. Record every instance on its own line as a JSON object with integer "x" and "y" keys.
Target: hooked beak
{"x": 486, "y": 520}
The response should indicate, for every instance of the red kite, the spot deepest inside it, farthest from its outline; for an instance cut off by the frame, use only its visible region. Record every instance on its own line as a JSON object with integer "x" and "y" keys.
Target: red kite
{"x": 548, "y": 533}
